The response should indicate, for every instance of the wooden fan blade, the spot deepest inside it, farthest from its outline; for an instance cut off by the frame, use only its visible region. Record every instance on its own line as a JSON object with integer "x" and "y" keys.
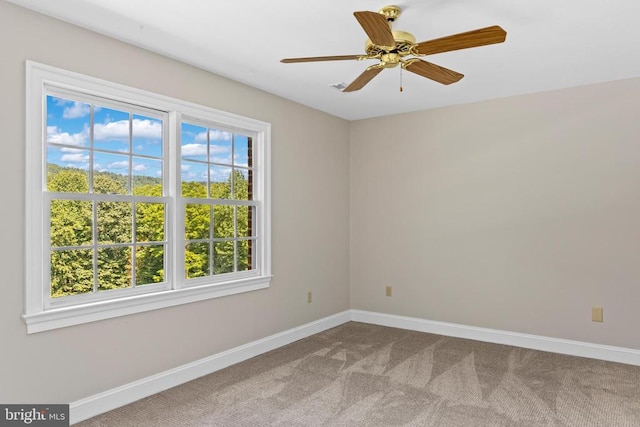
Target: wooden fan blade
{"x": 475, "y": 38}
{"x": 432, "y": 71}
{"x": 363, "y": 78}
{"x": 376, "y": 27}
{"x": 321, "y": 58}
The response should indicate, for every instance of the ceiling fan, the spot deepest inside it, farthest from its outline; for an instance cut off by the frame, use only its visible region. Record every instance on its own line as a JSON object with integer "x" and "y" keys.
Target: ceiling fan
{"x": 392, "y": 47}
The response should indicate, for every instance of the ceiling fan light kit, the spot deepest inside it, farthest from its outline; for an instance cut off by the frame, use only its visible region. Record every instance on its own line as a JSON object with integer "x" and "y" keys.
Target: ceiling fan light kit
{"x": 394, "y": 47}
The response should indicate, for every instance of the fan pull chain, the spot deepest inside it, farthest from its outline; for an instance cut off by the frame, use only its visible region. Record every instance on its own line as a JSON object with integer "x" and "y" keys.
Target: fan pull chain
{"x": 401, "y": 88}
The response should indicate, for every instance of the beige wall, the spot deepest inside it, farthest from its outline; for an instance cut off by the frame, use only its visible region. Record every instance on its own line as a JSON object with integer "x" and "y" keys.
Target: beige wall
{"x": 518, "y": 214}
{"x": 310, "y": 225}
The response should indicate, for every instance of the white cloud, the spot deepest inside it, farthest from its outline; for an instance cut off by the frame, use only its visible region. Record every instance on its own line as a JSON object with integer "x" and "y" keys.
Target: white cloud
{"x": 147, "y": 129}
{"x": 216, "y": 149}
{"x": 106, "y": 131}
{"x": 194, "y": 150}
{"x": 60, "y": 102}
{"x": 75, "y": 158}
{"x": 185, "y": 168}
{"x": 76, "y": 110}
{"x": 124, "y": 164}
{"x": 120, "y": 130}
{"x": 119, "y": 165}
{"x": 216, "y": 135}
{"x": 139, "y": 167}
{"x": 215, "y": 156}
{"x": 70, "y": 150}
{"x": 54, "y": 135}
{"x": 201, "y": 137}
{"x": 111, "y": 130}
{"x": 219, "y": 159}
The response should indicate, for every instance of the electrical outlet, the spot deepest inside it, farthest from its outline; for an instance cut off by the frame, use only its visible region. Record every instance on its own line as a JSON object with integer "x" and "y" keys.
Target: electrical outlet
{"x": 596, "y": 314}
{"x": 309, "y": 297}
{"x": 389, "y": 291}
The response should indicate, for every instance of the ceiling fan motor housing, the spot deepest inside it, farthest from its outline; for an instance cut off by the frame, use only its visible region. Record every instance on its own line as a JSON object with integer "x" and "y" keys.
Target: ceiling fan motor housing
{"x": 404, "y": 42}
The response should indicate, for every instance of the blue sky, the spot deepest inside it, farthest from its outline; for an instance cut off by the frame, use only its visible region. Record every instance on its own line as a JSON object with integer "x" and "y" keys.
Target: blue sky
{"x": 69, "y": 124}
{"x": 116, "y": 151}
{"x": 221, "y": 146}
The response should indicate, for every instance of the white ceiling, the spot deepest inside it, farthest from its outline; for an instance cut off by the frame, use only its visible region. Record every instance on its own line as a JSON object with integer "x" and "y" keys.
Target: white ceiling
{"x": 550, "y": 44}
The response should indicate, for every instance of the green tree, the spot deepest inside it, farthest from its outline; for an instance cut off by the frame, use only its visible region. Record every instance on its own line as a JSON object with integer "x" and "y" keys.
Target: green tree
{"x": 197, "y": 223}
{"x": 230, "y": 225}
{"x": 114, "y": 226}
{"x": 242, "y": 187}
{"x": 150, "y": 223}
{"x": 71, "y": 225}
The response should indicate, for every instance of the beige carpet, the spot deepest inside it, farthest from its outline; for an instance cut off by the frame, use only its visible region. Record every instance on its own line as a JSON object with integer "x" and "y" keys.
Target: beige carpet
{"x": 365, "y": 375}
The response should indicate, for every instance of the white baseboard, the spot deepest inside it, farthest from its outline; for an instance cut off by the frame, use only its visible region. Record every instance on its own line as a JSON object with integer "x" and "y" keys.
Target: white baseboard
{"x": 97, "y": 404}
{"x": 535, "y": 342}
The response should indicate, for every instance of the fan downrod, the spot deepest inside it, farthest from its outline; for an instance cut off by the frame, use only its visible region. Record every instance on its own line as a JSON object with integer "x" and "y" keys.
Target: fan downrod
{"x": 390, "y": 12}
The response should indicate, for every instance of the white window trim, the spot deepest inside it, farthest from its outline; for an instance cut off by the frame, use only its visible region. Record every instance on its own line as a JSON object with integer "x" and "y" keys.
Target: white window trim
{"x": 39, "y": 318}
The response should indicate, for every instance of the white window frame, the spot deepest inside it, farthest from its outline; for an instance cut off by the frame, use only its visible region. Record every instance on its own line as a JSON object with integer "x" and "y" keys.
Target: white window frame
{"x": 39, "y": 315}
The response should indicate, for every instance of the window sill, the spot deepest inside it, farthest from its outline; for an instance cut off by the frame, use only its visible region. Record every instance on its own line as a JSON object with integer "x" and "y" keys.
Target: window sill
{"x": 91, "y": 312}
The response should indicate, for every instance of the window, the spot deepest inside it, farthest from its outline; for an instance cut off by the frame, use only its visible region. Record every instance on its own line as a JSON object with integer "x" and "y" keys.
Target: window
{"x": 137, "y": 201}
{"x": 219, "y": 208}
{"x": 105, "y": 197}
